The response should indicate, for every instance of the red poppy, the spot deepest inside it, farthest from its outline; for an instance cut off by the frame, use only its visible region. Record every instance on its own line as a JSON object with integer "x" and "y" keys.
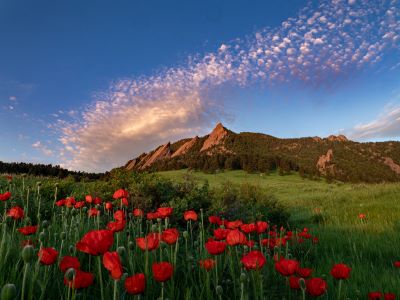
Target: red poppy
{"x": 69, "y": 262}
{"x": 236, "y": 237}
{"x": 112, "y": 263}
{"x": 274, "y": 242}
{"x": 162, "y": 271}
{"x": 16, "y": 213}
{"x": 121, "y": 193}
{"x": 109, "y": 206}
{"x": 137, "y": 212}
{"x": 82, "y": 280}
{"x": 304, "y": 272}
{"x": 135, "y": 284}
{"x": 250, "y": 243}
{"x": 215, "y": 247}
{"x": 124, "y": 201}
{"x": 60, "y": 203}
{"x": 253, "y": 260}
{"x": 152, "y": 215}
{"x": 96, "y": 242}
{"x": 116, "y": 226}
{"x": 9, "y": 178}
{"x": 375, "y": 296}
{"x": 93, "y": 212}
{"x": 150, "y": 242}
{"x": 294, "y": 282}
{"x": 97, "y": 201}
{"x": 119, "y": 215}
{"x": 88, "y": 198}
{"x": 5, "y": 196}
{"x": 215, "y": 220}
{"x": 261, "y": 226}
{"x": 287, "y": 267}
{"x": 316, "y": 286}
{"x": 248, "y": 228}
{"x": 207, "y": 264}
{"x": 79, "y": 204}
{"x": 170, "y": 236}
{"x": 70, "y": 202}
{"x": 233, "y": 224}
{"x": 190, "y": 215}
{"x": 362, "y": 216}
{"x": 397, "y": 264}
{"x": 340, "y": 271}
{"x": 315, "y": 240}
{"x": 28, "y": 230}
{"x": 47, "y": 256}
{"x": 164, "y": 212}
{"x": 221, "y": 233}
{"x": 389, "y": 296}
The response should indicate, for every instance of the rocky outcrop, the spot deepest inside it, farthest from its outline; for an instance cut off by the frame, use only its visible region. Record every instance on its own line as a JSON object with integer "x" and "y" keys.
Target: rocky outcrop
{"x": 162, "y": 152}
{"x": 185, "y": 147}
{"x": 337, "y": 138}
{"x": 392, "y": 165}
{"x": 131, "y": 164}
{"x": 215, "y": 137}
{"x": 324, "y": 162}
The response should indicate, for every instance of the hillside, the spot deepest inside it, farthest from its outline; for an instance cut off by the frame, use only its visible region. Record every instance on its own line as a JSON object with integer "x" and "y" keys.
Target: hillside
{"x": 333, "y": 157}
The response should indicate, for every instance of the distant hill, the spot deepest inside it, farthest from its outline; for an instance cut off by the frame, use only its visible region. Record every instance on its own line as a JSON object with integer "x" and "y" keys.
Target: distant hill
{"x": 334, "y": 157}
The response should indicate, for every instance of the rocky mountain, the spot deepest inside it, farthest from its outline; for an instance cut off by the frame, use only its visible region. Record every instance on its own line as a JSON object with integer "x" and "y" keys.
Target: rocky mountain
{"x": 334, "y": 157}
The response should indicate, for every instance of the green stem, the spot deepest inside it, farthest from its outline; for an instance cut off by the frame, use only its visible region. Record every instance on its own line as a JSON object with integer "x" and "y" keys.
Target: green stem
{"x": 24, "y": 281}
{"x": 100, "y": 277}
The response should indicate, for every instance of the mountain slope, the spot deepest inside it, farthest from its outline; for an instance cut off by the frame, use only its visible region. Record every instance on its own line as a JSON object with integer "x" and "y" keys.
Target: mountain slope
{"x": 334, "y": 157}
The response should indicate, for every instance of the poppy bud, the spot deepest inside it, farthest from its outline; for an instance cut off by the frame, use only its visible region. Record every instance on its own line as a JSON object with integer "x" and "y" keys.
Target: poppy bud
{"x": 243, "y": 277}
{"x": 131, "y": 245}
{"x": 185, "y": 234}
{"x": 71, "y": 249}
{"x": 121, "y": 251}
{"x": 84, "y": 209}
{"x": 219, "y": 290}
{"x": 154, "y": 227}
{"x": 38, "y": 183}
{"x": 42, "y": 236}
{"x": 97, "y": 206}
{"x": 70, "y": 274}
{"x": 302, "y": 283}
{"x": 45, "y": 224}
{"x": 28, "y": 220}
{"x": 28, "y": 253}
{"x": 56, "y": 184}
{"x": 8, "y": 292}
{"x": 63, "y": 235}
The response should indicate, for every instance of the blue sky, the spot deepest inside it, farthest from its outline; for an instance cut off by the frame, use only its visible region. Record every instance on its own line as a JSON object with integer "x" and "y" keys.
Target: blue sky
{"x": 91, "y": 84}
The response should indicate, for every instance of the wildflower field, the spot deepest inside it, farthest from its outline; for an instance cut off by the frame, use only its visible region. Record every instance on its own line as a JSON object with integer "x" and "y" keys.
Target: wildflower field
{"x": 147, "y": 237}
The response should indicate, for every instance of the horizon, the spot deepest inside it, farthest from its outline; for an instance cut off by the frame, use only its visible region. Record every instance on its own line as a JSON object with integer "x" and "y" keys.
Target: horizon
{"x": 89, "y": 88}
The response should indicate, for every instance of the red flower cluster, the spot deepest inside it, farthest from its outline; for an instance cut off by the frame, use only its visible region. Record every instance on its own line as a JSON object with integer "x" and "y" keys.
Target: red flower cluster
{"x": 150, "y": 242}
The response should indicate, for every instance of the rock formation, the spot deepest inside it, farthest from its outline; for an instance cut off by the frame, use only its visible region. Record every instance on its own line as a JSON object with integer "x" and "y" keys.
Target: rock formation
{"x": 162, "y": 152}
{"x": 215, "y": 137}
{"x": 392, "y": 165}
{"x": 185, "y": 147}
{"x": 323, "y": 164}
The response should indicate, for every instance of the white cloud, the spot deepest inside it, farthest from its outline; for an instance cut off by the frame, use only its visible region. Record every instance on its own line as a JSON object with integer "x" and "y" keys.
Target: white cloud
{"x": 12, "y": 98}
{"x": 138, "y": 114}
{"x": 42, "y": 148}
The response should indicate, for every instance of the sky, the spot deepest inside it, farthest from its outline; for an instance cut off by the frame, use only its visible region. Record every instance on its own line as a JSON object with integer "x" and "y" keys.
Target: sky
{"x": 89, "y": 85}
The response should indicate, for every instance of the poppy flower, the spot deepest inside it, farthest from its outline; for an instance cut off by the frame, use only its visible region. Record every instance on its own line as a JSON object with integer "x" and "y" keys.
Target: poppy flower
{"x": 215, "y": 220}
{"x": 233, "y": 224}
{"x": 93, "y": 212}
{"x": 68, "y": 262}
{"x": 389, "y": 296}
{"x": 137, "y": 212}
{"x": 109, "y": 206}
{"x": 16, "y": 213}
{"x": 254, "y": 260}
{"x": 315, "y": 240}
{"x": 274, "y": 242}
{"x": 340, "y": 271}
{"x": 121, "y": 193}
{"x": 124, "y": 201}
{"x": 96, "y": 242}
{"x": 215, "y": 247}
{"x": 250, "y": 243}
{"x": 221, "y": 233}
{"x": 135, "y": 284}
{"x": 47, "y": 256}
{"x": 82, "y": 280}
{"x": 119, "y": 215}
{"x": 70, "y": 202}
{"x": 116, "y": 226}
{"x": 112, "y": 263}
{"x": 287, "y": 267}
{"x": 236, "y": 237}
{"x": 152, "y": 215}
{"x": 294, "y": 282}
{"x": 150, "y": 242}
{"x": 375, "y": 296}
{"x": 5, "y": 196}
{"x": 316, "y": 286}
{"x": 261, "y": 226}
{"x": 79, "y": 204}
{"x": 170, "y": 236}
{"x": 60, "y": 203}
{"x": 97, "y": 201}
{"x": 190, "y": 215}
{"x": 207, "y": 264}
{"x": 89, "y": 199}
{"x": 164, "y": 212}
{"x": 362, "y": 216}
{"x": 304, "y": 272}
{"x": 162, "y": 271}
{"x": 248, "y": 228}
{"x": 397, "y": 264}
{"x": 28, "y": 230}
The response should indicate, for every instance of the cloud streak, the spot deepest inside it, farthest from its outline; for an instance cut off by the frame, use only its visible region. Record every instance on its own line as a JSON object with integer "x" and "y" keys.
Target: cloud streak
{"x": 325, "y": 42}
